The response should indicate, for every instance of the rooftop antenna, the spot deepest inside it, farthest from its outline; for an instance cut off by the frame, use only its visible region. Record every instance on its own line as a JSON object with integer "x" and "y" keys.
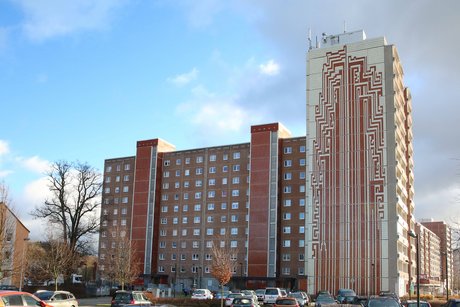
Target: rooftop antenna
{"x": 309, "y": 39}
{"x": 344, "y": 26}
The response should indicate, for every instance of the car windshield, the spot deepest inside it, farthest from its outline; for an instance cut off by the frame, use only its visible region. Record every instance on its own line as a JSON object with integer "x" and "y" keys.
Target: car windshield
{"x": 296, "y": 295}
{"x": 325, "y": 299}
{"x": 199, "y": 292}
{"x": 45, "y": 295}
{"x": 286, "y": 302}
{"x": 382, "y": 303}
{"x": 271, "y": 291}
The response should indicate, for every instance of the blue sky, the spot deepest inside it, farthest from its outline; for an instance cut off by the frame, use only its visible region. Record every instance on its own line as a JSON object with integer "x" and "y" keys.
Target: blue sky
{"x": 85, "y": 79}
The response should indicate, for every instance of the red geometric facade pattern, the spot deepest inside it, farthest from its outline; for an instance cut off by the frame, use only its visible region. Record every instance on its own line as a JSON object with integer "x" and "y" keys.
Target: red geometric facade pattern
{"x": 348, "y": 175}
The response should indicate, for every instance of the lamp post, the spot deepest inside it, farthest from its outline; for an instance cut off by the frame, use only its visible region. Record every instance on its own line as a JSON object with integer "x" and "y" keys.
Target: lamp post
{"x": 22, "y": 262}
{"x": 414, "y": 235}
{"x": 447, "y": 275}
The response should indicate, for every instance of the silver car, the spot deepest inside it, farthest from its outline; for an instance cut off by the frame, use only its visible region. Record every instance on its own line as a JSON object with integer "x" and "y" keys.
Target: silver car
{"x": 57, "y": 298}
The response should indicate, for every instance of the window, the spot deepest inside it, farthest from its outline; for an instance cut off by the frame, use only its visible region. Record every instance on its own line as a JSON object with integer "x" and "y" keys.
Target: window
{"x": 302, "y": 202}
{"x": 234, "y": 231}
{"x": 199, "y": 159}
{"x": 124, "y": 211}
{"x": 199, "y": 171}
{"x": 118, "y": 168}
{"x": 212, "y": 182}
{"x": 224, "y": 181}
{"x": 198, "y": 183}
{"x": 164, "y": 220}
{"x": 104, "y": 234}
{"x": 162, "y": 257}
{"x": 115, "y": 211}
{"x": 126, "y": 178}
{"x": 286, "y": 243}
{"x": 184, "y": 232}
{"x": 117, "y": 189}
{"x": 178, "y": 173}
{"x": 234, "y": 218}
{"x": 301, "y": 215}
{"x": 223, "y": 206}
{"x": 302, "y": 148}
{"x": 178, "y": 161}
{"x": 165, "y": 185}
{"x": 104, "y": 223}
{"x": 162, "y": 244}
{"x": 233, "y": 244}
{"x": 224, "y": 168}
{"x": 287, "y": 229}
{"x": 210, "y": 231}
{"x": 185, "y": 208}
{"x": 225, "y": 157}
{"x": 208, "y": 257}
{"x": 185, "y": 196}
{"x": 163, "y": 233}
{"x": 209, "y": 244}
{"x": 184, "y": 220}
{"x": 302, "y": 189}
{"x": 288, "y": 150}
{"x": 174, "y": 232}
{"x": 108, "y": 169}
{"x": 175, "y": 220}
{"x": 187, "y": 172}
{"x": 287, "y": 189}
{"x": 187, "y": 160}
{"x": 177, "y": 184}
{"x": 166, "y": 163}
{"x": 107, "y": 179}
{"x": 166, "y": 174}
{"x": 106, "y": 201}
{"x": 174, "y": 244}
{"x": 236, "y": 155}
{"x": 236, "y": 180}
{"x": 117, "y": 178}
{"x": 287, "y": 163}
{"x": 212, "y": 169}
{"x": 176, "y": 208}
{"x": 287, "y": 216}
{"x": 107, "y": 190}
{"x": 235, "y": 193}
{"x": 222, "y": 231}
{"x": 287, "y": 202}
{"x": 196, "y": 220}
{"x": 195, "y": 244}
{"x": 197, "y": 195}
{"x": 210, "y": 206}
{"x": 195, "y": 257}
{"x": 197, "y": 207}
{"x": 287, "y": 176}
{"x": 223, "y": 219}
{"x": 186, "y": 184}
{"x": 211, "y": 194}
{"x": 286, "y": 257}
{"x": 161, "y": 268}
{"x": 210, "y": 219}
{"x": 302, "y": 162}
{"x": 125, "y": 189}
{"x": 183, "y": 244}
{"x": 236, "y": 168}
{"x": 196, "y": 232}
{"x": 212, "y": 157}
{"x": 286, "y": 271}
{"x": 235, "y": 205}
{"x": 164, "y": 197}
{"x": 301, "y": 243}
{"x": 302, "y": 175}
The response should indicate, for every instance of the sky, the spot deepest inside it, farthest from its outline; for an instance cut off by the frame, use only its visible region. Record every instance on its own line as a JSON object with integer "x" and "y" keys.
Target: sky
{"x": 84, "y": 80}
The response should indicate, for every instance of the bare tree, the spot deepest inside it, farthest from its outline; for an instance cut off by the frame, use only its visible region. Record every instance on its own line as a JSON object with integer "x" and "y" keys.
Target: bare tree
{"x": 123, "y": 266}
{"x": 35, "y": 263}
{"x": 75, "y": 189}
{"x": 222, "y": 265}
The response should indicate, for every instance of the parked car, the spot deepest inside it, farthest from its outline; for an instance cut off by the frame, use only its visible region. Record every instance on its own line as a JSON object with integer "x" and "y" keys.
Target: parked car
{"x": 57, "y": 298}
{"x": 286, "y": 302}
{"x": 452, "y": 303}
{"x": 230, "y": 297}
{"x": 271, "y": 294}
{"x": 244, "y": 302}
{"x": 222, "y": 294}
{"x": 345, "y": 296}
{"x": 325, "y": 299}
{"x": 301, "y": 297}
{"x": 360, "y": 300}
{"x": 9, "y": 287}
{"x": 413, "y": 303}
{"x": 202, "y": 294}
{"x": 379, "y": 301}
{"x": 260, "y": 294}
{"x": 390, "y": 294}
{"x": 250, "y": 294}
{"x": 123, "y": 297}
{"x": 19, "y": 298}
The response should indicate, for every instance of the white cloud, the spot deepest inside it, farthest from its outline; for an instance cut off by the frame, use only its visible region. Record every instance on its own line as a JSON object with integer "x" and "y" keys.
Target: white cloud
{"x": 183, "y": 79}
{"x": 36, "y": 191}
{"x": 49, "y": 18}
{"x": 270, "y": 68}
{"x": 4, "y": 147}
{"x": 5, "y": 173}
{"x": 35, "y": 164}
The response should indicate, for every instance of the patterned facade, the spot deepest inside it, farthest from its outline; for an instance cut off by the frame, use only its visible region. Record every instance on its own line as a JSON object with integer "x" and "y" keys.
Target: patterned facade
{"x": 175, "y": 205}
{"x": 359, "y": 167}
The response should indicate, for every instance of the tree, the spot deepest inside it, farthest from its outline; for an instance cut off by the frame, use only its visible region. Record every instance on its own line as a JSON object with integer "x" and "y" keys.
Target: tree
{"x": 222, "y": 265}
{"x": 75, "y": 189}
{"x": 48, "y": 261}
{"x": 123, "y": 266}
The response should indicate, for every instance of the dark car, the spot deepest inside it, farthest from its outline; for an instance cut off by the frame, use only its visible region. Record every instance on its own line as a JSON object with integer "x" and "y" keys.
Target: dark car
{"x": 452, "y": 303}
{"x": 324, "y": 299}
{"x": 301, "y": 297}
{"x": 382, "y": 301}
{"x": 286, "y": 302}
{"x": 360, "y": 300}
{"x": 390, "y": 294}
{"x": 122, "y": 297}
{"x": 345, "y": 296}
{"x": 413, "y": 303}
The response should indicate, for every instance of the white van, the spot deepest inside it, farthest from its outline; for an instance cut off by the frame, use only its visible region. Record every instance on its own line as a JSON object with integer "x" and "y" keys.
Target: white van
{"x": 271, "y": 294}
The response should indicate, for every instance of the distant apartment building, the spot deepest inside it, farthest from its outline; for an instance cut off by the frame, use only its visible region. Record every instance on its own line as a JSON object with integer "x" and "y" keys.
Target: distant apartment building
{"x": 444, "y": 232}
{"x": 14, "y": 236}
{"x": 430, "y": 254}
{"x": 360, "y": 181}
{"x": 175, "y": 205}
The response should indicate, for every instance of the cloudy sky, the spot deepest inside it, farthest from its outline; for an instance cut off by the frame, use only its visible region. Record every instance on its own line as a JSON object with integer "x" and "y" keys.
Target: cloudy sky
{"x": 85, "y": 79}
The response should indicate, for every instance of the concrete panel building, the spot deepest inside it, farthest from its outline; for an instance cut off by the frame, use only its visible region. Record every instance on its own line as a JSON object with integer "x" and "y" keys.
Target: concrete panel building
{"x": 359, "y": 167}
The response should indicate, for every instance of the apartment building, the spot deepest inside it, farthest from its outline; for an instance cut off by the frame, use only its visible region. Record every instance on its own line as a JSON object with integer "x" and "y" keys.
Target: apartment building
{"x": 175, "y": 205}
{"x": 444, "y": 232}
{"x": 359, "y": 167}
{"x": 430, "y": 261}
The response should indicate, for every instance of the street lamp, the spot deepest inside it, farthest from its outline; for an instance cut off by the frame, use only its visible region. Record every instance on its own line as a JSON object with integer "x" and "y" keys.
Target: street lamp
{"x": 414, "y": 235}
{"x": 22, "y": 262}
{"x": 447, "y": 275}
